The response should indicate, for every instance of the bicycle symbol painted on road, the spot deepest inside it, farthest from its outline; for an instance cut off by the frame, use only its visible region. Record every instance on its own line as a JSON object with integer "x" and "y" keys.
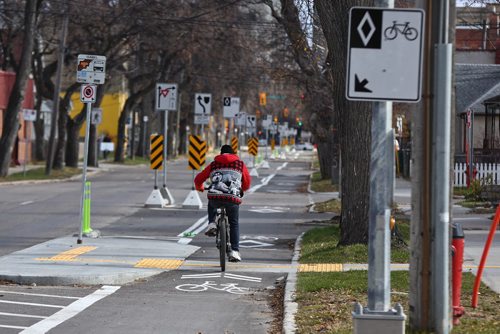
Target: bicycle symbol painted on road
{"x": 400, "y": 28}
{"x": 226, "y": 287}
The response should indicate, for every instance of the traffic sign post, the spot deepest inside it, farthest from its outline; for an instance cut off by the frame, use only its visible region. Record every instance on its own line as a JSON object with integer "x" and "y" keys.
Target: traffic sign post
{"x": 384, "y": 64}
{"x": 96, "y": 116}
{"x": 29, "y": 115}
{"x": 90, "y": 72}
{"x": 166, "y": 100}
{"x": 231, "y": 106}
{"x": 385, "y": 54}
{"x": 166, "y": 96}
{"x": 231, "y": 109}
{"x": 91, "y": 69}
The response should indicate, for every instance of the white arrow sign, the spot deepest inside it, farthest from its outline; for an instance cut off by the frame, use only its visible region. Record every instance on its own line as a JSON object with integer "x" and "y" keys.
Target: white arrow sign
{"x": 203, "y": 104}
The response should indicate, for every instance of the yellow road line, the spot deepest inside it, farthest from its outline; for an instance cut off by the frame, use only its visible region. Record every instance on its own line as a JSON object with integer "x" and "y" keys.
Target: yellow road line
{"x": 320, "y": 267}
{"x": 70, "y": 255}
{"x": 159, "y": 263}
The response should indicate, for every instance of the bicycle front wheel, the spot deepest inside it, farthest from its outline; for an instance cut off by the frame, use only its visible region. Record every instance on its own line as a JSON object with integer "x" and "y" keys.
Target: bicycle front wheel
{"x": 222, "y": 243}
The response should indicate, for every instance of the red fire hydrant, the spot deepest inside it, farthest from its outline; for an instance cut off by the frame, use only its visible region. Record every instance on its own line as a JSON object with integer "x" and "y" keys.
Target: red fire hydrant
{"x": 457, "y": 264}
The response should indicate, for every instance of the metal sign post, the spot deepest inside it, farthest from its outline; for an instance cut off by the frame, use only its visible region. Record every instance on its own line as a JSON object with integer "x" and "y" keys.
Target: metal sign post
{"x": 84, "y": 169}
{"x": 29, "y": 115}
{"x": 91, "y": 70}
{"x": 384, "y": 64}
{"x": 230, "y": 109}
{"x": 166, "y": 99}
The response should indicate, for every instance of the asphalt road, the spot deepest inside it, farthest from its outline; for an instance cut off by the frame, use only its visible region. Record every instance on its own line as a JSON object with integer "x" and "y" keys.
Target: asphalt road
{"x": 197, "y": 298}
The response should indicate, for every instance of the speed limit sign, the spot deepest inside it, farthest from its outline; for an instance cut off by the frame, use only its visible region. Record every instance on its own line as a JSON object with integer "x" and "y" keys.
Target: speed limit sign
{"x": 88, "y": 93}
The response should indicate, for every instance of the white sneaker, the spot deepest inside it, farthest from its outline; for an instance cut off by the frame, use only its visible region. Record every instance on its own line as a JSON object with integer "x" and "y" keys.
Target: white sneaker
{"x": 234, "y": 256}
{"x": 211, "y": 230}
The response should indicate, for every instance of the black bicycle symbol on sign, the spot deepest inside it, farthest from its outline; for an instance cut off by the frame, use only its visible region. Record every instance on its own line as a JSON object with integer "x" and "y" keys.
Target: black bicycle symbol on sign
{"x": 399, "y": 28}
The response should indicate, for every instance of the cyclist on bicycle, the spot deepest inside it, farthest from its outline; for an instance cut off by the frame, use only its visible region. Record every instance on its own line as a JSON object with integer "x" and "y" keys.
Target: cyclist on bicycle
{"x": 229, "y": 179}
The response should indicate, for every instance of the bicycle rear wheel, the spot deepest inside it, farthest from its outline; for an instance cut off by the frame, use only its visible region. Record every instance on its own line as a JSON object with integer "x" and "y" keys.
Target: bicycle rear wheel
{"x": 221, "y": 230}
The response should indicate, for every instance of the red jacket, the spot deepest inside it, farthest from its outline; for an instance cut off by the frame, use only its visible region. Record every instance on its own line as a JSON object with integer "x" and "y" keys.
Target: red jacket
{"x": 228, "y": 174}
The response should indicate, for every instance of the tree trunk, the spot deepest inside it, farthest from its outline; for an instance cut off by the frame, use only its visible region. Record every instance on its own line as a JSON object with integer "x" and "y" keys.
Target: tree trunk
{"x": 92, "y": 158}
{"x": 10, "y": 120}
{"x": 39, "y": 128}
{"x": 73, "y": 143}
{"x": 63, "y": 118}
{"x": 120, "y": 141}
{"x": 354, "y": 124}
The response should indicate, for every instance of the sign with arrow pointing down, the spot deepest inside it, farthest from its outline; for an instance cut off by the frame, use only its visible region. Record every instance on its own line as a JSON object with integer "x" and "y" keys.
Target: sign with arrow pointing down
{"x": 384, "y": 61}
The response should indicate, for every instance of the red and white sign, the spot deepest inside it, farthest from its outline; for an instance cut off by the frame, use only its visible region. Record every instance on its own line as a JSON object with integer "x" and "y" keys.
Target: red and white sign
{"x": 166, "y": 96}
{"x": 91, "y": 69}
{"x": 88, "y": 93}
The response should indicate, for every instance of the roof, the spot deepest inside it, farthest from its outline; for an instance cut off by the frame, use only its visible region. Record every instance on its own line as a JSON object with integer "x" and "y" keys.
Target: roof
{"x": 474, "y": 84}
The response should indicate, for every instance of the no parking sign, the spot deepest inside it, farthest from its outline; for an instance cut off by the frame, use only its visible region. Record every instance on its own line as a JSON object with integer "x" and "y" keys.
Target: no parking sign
{"x": 88, "y": 93}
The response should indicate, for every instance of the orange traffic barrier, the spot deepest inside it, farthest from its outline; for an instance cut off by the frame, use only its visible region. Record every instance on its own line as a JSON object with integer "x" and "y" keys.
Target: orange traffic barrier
{"x": 486, "y": 250}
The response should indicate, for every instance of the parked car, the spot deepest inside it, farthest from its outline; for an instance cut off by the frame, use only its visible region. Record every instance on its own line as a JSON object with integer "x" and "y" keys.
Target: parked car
{"x": 304, "y": 147}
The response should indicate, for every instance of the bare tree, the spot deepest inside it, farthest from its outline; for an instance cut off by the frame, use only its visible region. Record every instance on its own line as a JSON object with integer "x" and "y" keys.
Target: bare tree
{"x": 11, "y": 117}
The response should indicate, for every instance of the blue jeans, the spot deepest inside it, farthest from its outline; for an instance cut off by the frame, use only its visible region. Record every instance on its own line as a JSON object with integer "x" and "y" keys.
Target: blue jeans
{"x": 232, "y": 211}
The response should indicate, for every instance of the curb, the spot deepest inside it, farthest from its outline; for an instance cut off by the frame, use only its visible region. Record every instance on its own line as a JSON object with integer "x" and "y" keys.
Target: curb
{"x": 290, "y": 306}
{"x": 93, "y": 171}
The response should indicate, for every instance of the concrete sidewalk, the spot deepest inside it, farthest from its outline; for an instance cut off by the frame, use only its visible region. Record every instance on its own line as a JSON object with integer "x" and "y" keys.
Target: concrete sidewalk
{"x": 106, "y": 260}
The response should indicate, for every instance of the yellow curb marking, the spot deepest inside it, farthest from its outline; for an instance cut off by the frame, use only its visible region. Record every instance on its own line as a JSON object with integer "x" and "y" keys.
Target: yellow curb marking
{"x": 159, "y": 263}
{"x": 320, "y": 267}
{"x": 70, "y": 255}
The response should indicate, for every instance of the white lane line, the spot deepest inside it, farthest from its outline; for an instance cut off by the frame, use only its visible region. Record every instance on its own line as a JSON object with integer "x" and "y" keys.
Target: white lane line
{"x": 282, "y": 166}
{"x": 22, "y": 315}
{"x": 27, "y": 202}
{"x": 184, "y": 241}
{"x": 214, "y": 275}
{"x": 70, "y": 311}
{"x": 37, "y": 294}
{"x": 31, "y": 304}
{"x": 243, "y": 278}
{"x": 190, "y": 229}
{"x": 13, "y": 327}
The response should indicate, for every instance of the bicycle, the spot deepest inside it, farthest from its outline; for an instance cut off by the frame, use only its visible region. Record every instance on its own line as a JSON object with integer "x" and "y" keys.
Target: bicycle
{"x": 392, "y": 32}
{"x": 222, "y": 240}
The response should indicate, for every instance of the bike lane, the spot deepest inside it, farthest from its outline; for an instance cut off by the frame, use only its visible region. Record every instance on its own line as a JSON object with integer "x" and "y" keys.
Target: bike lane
{"x": 197, "y": 297}
{"x": 271, "y": 219}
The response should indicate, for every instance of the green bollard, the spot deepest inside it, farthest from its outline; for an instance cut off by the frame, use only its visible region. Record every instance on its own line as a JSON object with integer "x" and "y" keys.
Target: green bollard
{"x": 86, "y": 210}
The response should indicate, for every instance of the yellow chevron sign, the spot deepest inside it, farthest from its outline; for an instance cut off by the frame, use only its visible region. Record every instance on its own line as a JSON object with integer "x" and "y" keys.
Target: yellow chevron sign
{"x": 197, "y": 152}
{"x": 234, "y": 144}
{"x": 253, "y": 146}
{"x": 156, "y": 156}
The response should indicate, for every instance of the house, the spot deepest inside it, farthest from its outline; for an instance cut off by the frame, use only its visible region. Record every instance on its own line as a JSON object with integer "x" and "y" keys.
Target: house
{"x": 23, "y": 144}
{"x": 477, "y": 83}
{"x": 477, "y": 92}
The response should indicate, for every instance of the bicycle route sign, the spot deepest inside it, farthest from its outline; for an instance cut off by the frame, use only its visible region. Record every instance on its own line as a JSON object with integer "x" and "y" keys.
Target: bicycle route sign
{"x": 384, "y": 61}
